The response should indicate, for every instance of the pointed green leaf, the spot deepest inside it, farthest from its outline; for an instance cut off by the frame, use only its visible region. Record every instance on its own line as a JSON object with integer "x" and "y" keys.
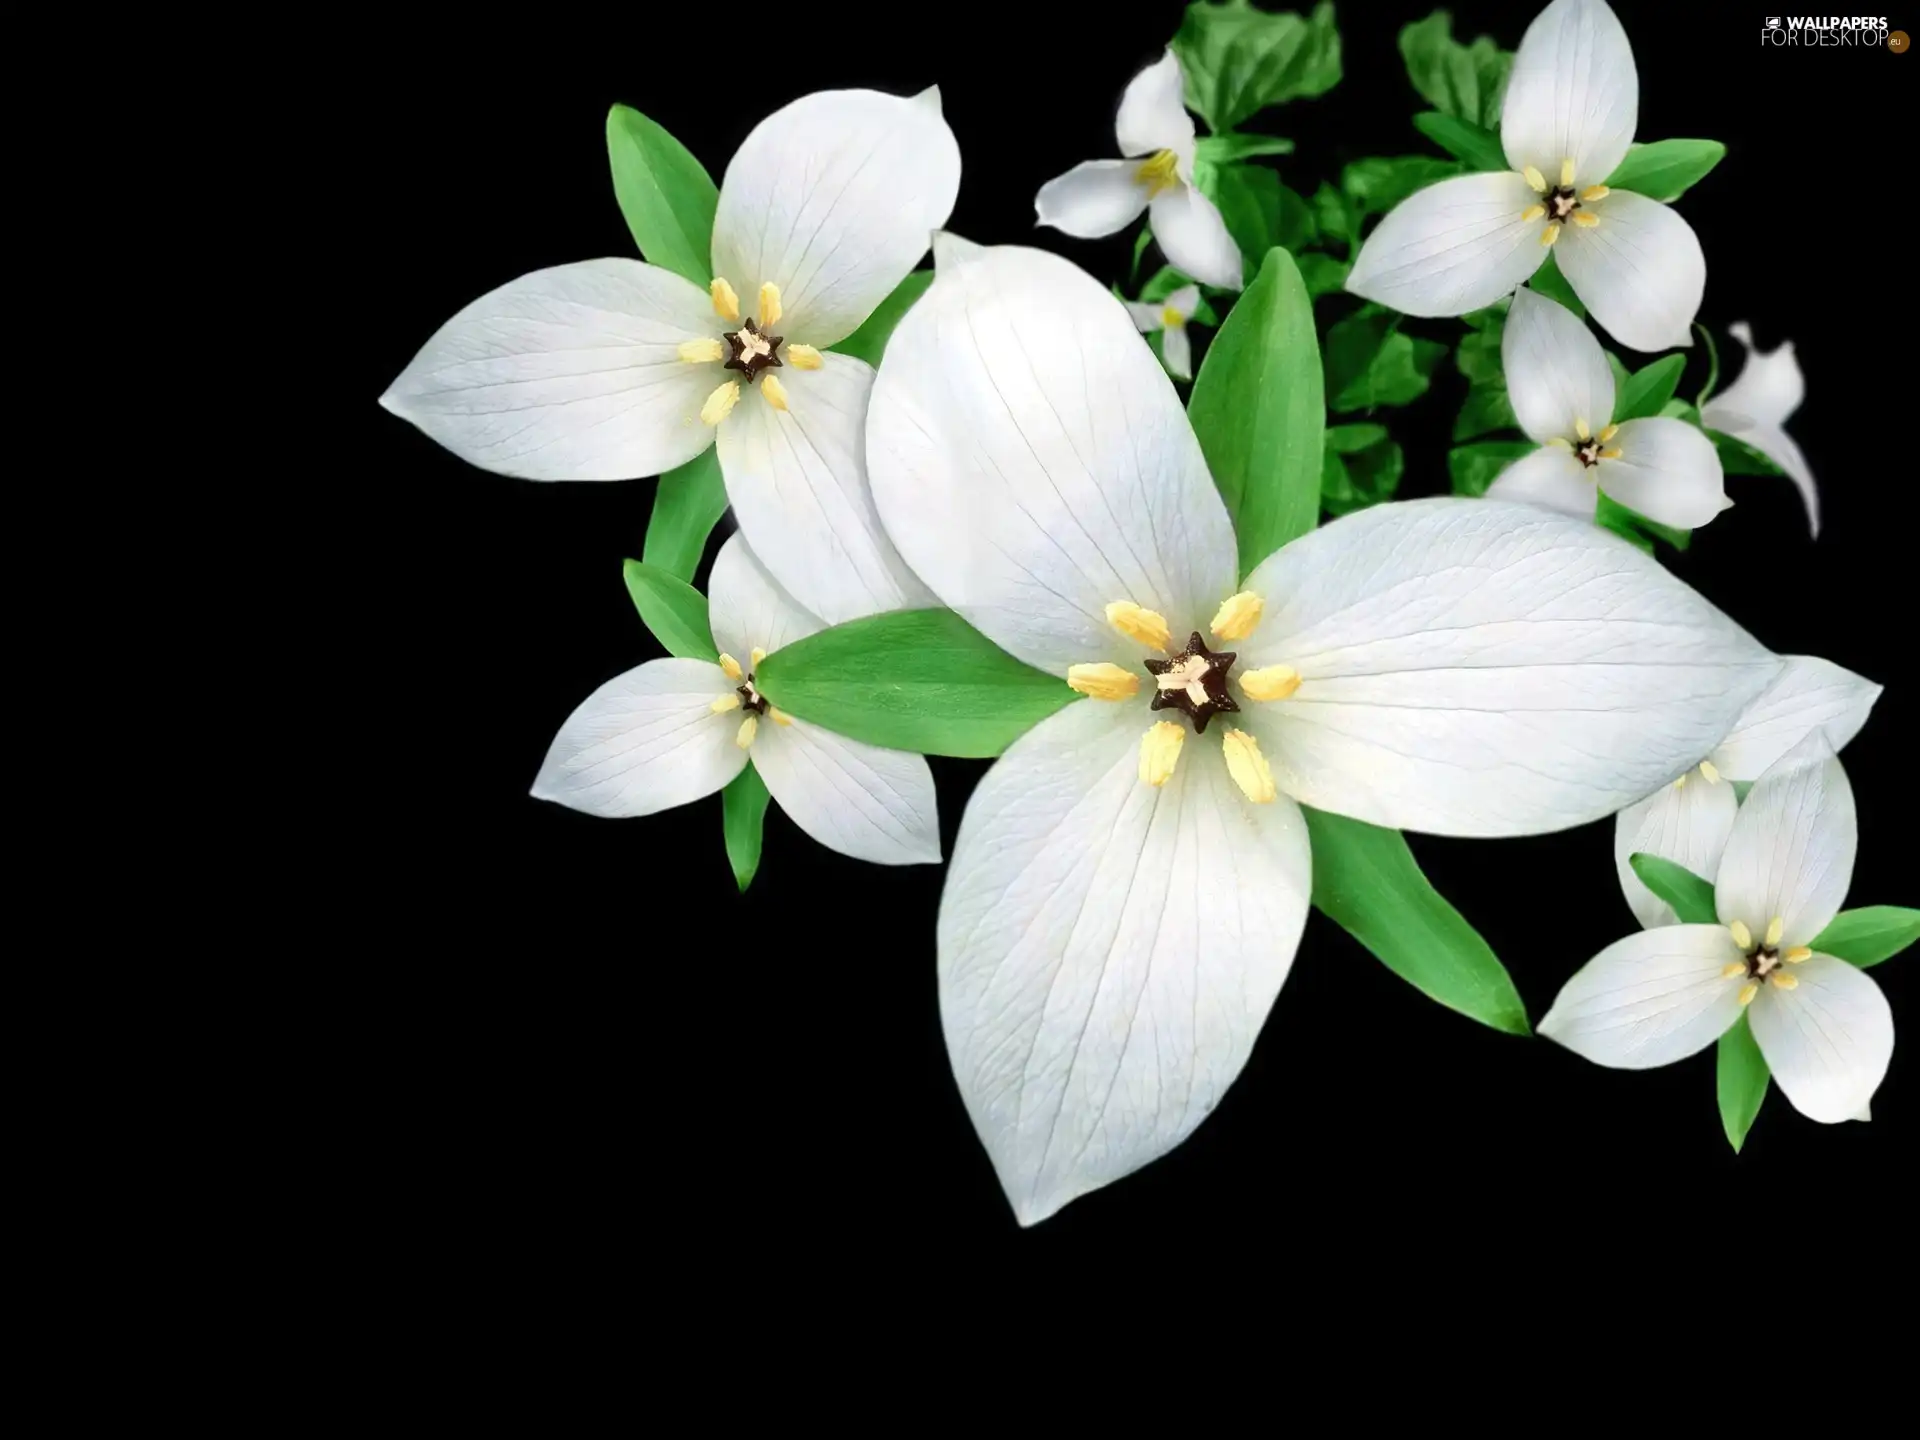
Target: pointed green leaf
{"x": 1259, "y": 211}
{"x": 1362, "y": 467}
{"x": 1467, "y": 82}
{"x": 1689, "y": 895}
{"x": 1140, "y": 243}
{"x": 1488, "y": 408}
{"x": 1741, "y": 1081}
{"x": 1260, "y": 414}
{"x": 743, "y": 813}
{"x": 1478, "y": 147}
{"x": 1323, "y": 274}
{"x": 1548, "y": 281}
{"x": 687, "y": 504}
{"x": 673, "y": 610}
{"x": 1238, "y": 60}
{"x": 1739, "y": 458}
{"x": 1366, "y": 880}
{"x": 1648, "y": 388}
{"x": 1370, "y": 362}
{"x": 666, "y": 195}
{"x": 1333, "y": 215}
{"x": 1224, "y": 149}
{"x": 920, "y": 680}
{"x": 1380, "y": 182}
{"x": 1713, "y": 365}
{"x": 1474, "y": 467}
{"x": 1869, "y": 935}
{"x": 1665, "y": 169}
{"x": 869, "y": 342}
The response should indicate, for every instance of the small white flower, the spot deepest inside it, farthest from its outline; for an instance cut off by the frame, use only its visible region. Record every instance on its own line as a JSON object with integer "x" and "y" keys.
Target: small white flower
{"x": 1823, "y": 1025}
{"x": 1102, "y": 197}
{"x": 1170, "y": 318}
{"x": 612, "y": 369}
{"x": 1562, "y": 393}
{"x": 672, "y": 731}
{"x": 1571, "y": 105}
{"x": 1756, "y": 407}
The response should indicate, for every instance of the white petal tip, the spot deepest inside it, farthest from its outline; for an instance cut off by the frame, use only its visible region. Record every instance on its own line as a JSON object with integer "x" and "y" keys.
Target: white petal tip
{"x": 951, "y": 251}
{"x": 1741, "y": 331}
{"x": 929, "y": 97}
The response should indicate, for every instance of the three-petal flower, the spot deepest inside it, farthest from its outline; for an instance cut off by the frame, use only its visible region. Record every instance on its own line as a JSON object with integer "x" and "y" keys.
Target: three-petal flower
{"x": 1170, "y": 318}
{"x": 1756, "y": 407}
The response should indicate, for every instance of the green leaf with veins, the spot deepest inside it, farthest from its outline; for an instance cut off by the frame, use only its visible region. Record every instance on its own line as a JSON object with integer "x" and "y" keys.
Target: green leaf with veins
{"x": 1238, "y": 60}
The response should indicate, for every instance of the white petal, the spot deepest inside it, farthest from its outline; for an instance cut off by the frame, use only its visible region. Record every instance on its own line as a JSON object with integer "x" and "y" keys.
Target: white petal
{"x": 1552, "y": 477}
{"x": 1573, "y": 95}
{"x": 1034, "y": 465}
{"x": 1452, "y": 247}
{"x": 1146, "y": 318}
{"x": 1779, "y": 447}
{"x": 1153, "y": 112}
{"x": 1194, "y": 238}
{"x": 1095, "y": 198}
{"x": 1557, "y": 374}
{"x": 832, "y": 198}
{"x": 1810, "y": 694}
{"x": 1668, "y": 471}
{"x": 1791, "y": 851}
{"x": 863, "y": 801}
{"x": 951, "y": 251}
{"x": 1185, "y": 300}
{"x": 797, "y": 479}
{"x": 1640, "y": 271}
{"x": 572, "y": 373}
{"x": 1769, "y": 387}
{"x": 1687, "y": 824}
{"x": 747, "y": 608}
{"x": 644, "y": 741}
{"x": 1178, "y": 350}
{"x": 1649, "y": 999}
{"x": 1476, "y": 668}
{"x": 1108, "y": 951}
{"x": 1828, "y": 1041}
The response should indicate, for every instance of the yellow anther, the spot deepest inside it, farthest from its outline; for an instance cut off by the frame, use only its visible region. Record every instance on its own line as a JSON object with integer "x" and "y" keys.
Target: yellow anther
{"x": 1608, "y": 433}
{"x": 1170, "y": 317}
{"x": 1104, "y": 681}
{"x": 775, "y": 392}
{"x": 1595, "y": 192}
{"x": 1560, "y": 442}
{"x": 748, "y": 728}
{"x": 1536, "y": 180}
{"x": 1709, "y": 772}
{"x": 700, "y": 352}
{"x": 1747, "y": 992}
{"x": 778, "y": 716}
{"x": 1742, "y": 936}
{"x": 720, "y": 403}
{"x": 1585, "y": 219}
{"x": 1270, "y": 682}
{"x": 1159, "y": 171}
{"x": 1149, "y": 627}
{"x": 1550, "y": 234}
{"x": 1776, "y": 927}
{"x": 1237, "y": 616}
{"x": 1248, "y": 767}
{"x": 1533, "y": 213}
{"x": 1738, "y": 967}
{"x": 756, "y": 657}
{"x": 1799, "y": 955}
{"x": 724, "y": 704}
{"x": 1580, "y": 429}
{"x": 804, "y": 357}
{"x": 1784, "y": 980}
{"x": 1160, "y": 752}
{"x": 1612, "y": 452}
{"x": 769, "y": 305}
{"x": 726, "y": 304}
{"x": 1681, "y": 783}
{"x": 732, "y": 667}
{"x": 1566, "y": 172}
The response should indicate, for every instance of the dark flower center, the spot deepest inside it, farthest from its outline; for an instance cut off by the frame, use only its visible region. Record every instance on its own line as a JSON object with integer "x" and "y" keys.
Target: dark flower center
{"x": 751, "y": 700}
{"x": 1562, "y": 202}
{"x": 753, "y": 351}
{"x": 1194, "y": 682}
{"x": 1587, "y": 452}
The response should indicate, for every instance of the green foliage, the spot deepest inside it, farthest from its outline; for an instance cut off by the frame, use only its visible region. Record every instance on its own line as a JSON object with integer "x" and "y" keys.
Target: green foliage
{"x": 1548, "y": 281}
{"x": 1377, "y": 184}
{"x": 1478, "y": 148}
{"x": 673, "y": 610}
{"x": 1260, "y": 212}
{"x": 869, "y": 342}
{"x": 1370, "y": 362}
{"x": 1636, "y": 527}
{"x": 687, "y": 503}
{"x": 1648, "y": 389}
{"x": 1474, "y": 467}
{"x": 1870, "y": 934}
{"x": 1362, "y": 467}
{"x": 1739, "y": 458}
{"x": 1225, "y": 149}
{"x": 743, "y": 813}
{"x": 1466, "y": 82}
{"x": 1323, "y": 274}
{"x": 1741, "y": 1081}
{"x": 1666, "y": 169}
{"x": 1690, "y": 896}
{"x": 1238, "y": 60}
{"x": 665, "y": 194}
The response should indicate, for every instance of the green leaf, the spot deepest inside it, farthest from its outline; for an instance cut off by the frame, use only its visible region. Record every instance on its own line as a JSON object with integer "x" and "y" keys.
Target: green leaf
{"x": 1362, "y": 467}
{"x": 1474, "y": 467}
{"x": 673, "y": 610}
{"x": 1477, "y": 357}
{"x": 1333, "y": 215}
{"x": 1488, "y": 408}
{"x": 1224, "y": 149}
{"x": 666, "y": 195}
{"x": 743, "y": 811}
{"x": 1462, "y": 139}
{"x": 869, "y": 342}
{"x": 1637, "y": 527}
{"x": 1259, "y": 411}
{"x": 919, "y": 680}
{"x": 1366, "y": 880}
{"x": 1681, "y": 410}
{"x": 1140, "y": 243}
{"x": 1742, "y": 1081}
{"x": 1352, "y": 439}
{"x": 1665, "y": 169}
{"x": 687, "y": 504}
{"x": 1713, "y": 365}
{"x": 1739, "y": 458}
{"x": 1648, "y": 388}
{"x": 1869, "y": 935}
{"x": 1369, "y": 362}
{"x": 1380, "y": 182}
{"x": 1478, "y": 354}
{"x": 1259, "y": 211}
{"x": 1621, "y": 375}
{"x": 1548, "y": 281}
{"x": 1689, "y": 895}
{"x": 1238, "y": 60}
{"x": 1464, "y": 81}
{"x": 1323, "y": 274}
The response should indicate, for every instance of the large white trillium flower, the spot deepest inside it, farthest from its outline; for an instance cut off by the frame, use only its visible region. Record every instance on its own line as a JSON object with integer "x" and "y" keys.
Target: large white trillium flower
{"x": 1170, "y": 318}
{"x": 611, "y": 369}
{"x": 1132, "y": 876}
{"x": 1103, "y": 197}
{"x": 1572, "y": 102}
{"x": 1689, "y": 820}
{"x": 672, "y": 731}
{"x": 1823, "y": 1025}
{"x": 1562, "y": 392}
{"x": 1756, "y": 407}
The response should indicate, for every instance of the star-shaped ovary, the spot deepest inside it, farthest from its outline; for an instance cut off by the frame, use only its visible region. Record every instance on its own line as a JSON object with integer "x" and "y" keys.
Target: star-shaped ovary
{"x": 1194, "y": 682}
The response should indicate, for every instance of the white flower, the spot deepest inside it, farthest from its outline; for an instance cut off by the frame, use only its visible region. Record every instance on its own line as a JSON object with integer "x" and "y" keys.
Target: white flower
{"x": 1571, "y": 105}
{"x": 611, "y": 369}
{"x": 1170, "y": 318}
{"x": 1688, "y": 821}
{"x": 1562, "y": 393}
{"x": 1660, "y": 996}
{"x": 1756, "y": 407}
{"x": 674, "y": 730}
{"x": 1129, "y": 887}
{"x": 1101, "y": 197}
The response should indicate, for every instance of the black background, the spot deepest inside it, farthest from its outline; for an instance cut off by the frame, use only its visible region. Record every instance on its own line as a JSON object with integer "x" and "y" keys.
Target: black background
{"x": 593, "y": 1054}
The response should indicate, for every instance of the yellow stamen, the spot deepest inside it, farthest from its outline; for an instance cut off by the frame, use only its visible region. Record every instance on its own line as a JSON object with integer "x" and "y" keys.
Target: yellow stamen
{"x": 778, "y": 716}
{"x": 1566, "y": 172}
{"x": 1595, "y": 192}
{"x": 1681, "y": 783}
{"x": 1585, "y": 219}
{"x": 732, "y": 667}
{"x": 724, "y": 704}
{"x": 1159, "y": 172}
{"x": 1149, "y": 627}
{"x": 1550, "y": 234}
{"x": 1742, "y": 936}
{"x": 726, "y": 304}
{"x": 1580, "y": 429}
{"x": 1237, "y": 616}
{"x": 1270, "y": 682}
{"x": 1799, "y": 955}
{"x": 1709, "y": 773}
{"x": 1104, "y": 681}
{"x": 1160, "y": 752}
{"x": 1747, "y": 992}
{"x": 748, "y": 727}
{"x": 1608, "y": 433}
{"x": 1536, "y": 180}
{"x": 1784, "y": 980}
{"x": 1170, "y": 317}
{"x": 700, "y": 352}
{"x": 1612, "y": 452}
{"x": 1776, "y": 927}
{"x": 769, "y": 305}
{"x": 804, "y": 357}
{"x": 1560, "y": 442}
{"x": 757, "y": 656}
{"x": 720, "y": 403}
{"x": 1248, "y": 767}
{"x": 775, "y": 392}
{"x": 1532, "y": 213}
{"x": 1738, "y": 967}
